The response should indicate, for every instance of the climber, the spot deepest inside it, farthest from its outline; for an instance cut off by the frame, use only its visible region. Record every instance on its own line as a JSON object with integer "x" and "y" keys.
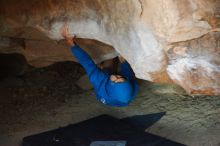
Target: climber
{"x": 110, "y": 88}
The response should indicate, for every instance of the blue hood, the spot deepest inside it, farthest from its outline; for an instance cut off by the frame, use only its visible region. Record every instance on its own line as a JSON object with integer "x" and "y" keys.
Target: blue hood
{"x": 121, "y": 93}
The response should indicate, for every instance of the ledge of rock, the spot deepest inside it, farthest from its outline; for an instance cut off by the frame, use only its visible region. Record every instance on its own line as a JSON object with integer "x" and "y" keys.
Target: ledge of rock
{"x": 164, "y": 41}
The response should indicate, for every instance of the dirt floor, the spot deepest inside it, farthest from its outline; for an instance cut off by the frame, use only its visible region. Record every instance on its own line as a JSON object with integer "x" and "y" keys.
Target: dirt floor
{"x": 47, "y": 98}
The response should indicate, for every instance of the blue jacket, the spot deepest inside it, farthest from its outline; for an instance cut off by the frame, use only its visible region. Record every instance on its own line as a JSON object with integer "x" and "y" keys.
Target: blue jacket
{"x": 108, "y": 92}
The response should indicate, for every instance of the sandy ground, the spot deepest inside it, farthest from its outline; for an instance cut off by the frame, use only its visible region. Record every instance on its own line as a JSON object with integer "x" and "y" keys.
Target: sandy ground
{"x": 47, "y": 98}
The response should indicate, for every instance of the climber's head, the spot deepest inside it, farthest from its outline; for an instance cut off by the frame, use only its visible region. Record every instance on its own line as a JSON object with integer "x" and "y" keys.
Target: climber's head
{"x": 120, "y": 90}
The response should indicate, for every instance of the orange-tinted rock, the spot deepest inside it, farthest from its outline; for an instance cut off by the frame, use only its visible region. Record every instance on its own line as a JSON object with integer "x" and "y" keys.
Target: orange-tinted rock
{"x": 164, "y": 41}
{"x": 197, "y": 69}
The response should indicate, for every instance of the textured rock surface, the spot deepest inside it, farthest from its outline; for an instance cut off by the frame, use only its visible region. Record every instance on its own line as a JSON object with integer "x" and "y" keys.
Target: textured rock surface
{"x": 164, "y": 41}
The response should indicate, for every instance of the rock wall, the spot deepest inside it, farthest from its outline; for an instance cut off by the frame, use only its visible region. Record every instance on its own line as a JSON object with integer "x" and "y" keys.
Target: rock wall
{"x": 166, "y": 41}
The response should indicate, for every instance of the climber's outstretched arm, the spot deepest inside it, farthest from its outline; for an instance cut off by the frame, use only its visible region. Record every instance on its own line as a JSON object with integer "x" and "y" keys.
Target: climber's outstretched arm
{"x": 92, "y": 70}
{"x": 125, "y": 69}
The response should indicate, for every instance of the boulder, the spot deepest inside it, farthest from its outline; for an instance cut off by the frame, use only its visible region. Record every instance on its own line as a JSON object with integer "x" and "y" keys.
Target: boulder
{"x": 164, "y": 41}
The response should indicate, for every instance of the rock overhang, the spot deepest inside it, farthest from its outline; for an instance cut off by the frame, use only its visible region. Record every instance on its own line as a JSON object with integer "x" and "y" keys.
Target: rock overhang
{"x": 164, "y": 41}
